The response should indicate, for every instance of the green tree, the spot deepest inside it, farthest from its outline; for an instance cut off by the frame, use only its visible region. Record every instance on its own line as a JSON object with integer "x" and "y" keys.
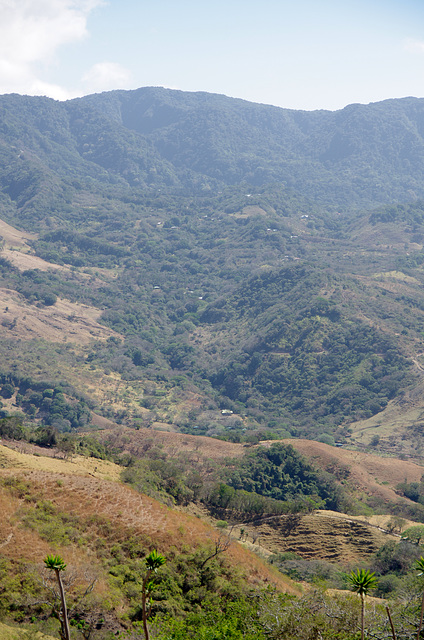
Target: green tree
{"x": 7, "y": 390}
{"x": 56, "y": 564}
{"x": 362, "y": 582}
{"x": 414, "y": 534}
{"x": 12, "y": 428}
{"x": 153, "y": 562}
{"x": 49, "y": 299}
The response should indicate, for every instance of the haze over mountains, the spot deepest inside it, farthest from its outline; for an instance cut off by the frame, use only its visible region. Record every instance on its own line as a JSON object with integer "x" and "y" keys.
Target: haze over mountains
{"x": 360, "y": 155}
{"x": 248, "y": 257}
{"x": 318, "y": 153}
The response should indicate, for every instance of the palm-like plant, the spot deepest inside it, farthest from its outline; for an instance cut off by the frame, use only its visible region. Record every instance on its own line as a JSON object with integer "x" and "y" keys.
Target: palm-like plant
{"x": 419, "y": 566}
{"x": 56, "y": 564}
{"x": 153, "y": 562}
{"x": 362, "y": 581}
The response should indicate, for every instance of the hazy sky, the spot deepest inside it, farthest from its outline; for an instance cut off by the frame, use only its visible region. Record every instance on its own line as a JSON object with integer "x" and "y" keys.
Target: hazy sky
{"x": 301, "y": 54}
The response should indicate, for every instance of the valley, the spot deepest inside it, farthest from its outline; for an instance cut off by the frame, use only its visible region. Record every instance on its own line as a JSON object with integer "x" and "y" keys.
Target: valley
{"x": 211, "y": 343}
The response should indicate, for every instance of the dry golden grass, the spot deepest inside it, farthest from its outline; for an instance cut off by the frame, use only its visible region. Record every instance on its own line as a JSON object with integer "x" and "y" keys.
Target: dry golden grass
{"x": 19, "y": 253}
{"x": 13, "y": 633}
{"x": 334, "y": 536}
{"x": 395, "y": 423}
{"x": 250, "y": 210}
{"x": 23, "y": 261}
{"x": 89, "y": 487}
{"x": 329, "y": 536}
{"x": 80, "y": 488}
{"x": 135, "y": 441}
{"x": 380, "y": 521}
{"x": 79, "y": 465}
{"x": 14, "y": 237}
{"x": 64, "y": 321}
{"x": 366, "y": 472}
{"x": 397, "y": 275}
{"x": 17, "y": 250}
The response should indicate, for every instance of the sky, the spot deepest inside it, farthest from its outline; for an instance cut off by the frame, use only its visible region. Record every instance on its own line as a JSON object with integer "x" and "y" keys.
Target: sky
{"x": 297, "y": 54}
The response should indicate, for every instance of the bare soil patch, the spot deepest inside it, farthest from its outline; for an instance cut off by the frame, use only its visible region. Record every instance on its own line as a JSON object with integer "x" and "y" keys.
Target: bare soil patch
{"x": 24, "y": 261}
{"x": 64, "y": 321}
{"x": 14, "y": 237}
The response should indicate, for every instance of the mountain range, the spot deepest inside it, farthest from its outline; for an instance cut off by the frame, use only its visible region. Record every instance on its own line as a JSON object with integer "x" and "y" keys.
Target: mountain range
{"x": 360, "y": 155}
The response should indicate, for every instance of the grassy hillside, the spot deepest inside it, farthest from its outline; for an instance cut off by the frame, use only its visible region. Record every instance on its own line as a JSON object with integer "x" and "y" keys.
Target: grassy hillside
{"x": 78, "y": 508}
{"x": 372, "y": 478}
{"x": 103, "y": 529}
{"x": 14, "y": 633}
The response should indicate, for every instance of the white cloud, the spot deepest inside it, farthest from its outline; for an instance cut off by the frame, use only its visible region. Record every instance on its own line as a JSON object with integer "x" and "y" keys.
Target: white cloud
{"x": 31, "y": 31}
{"x": 414, "y": 46}
{"x": 106, "y": 75}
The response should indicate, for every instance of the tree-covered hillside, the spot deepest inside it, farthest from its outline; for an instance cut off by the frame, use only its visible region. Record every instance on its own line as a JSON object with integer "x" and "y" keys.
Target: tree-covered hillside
{"x": 158, "y": 138}
{"x": 251, "y": 259}
{"x": 356, "y": 156}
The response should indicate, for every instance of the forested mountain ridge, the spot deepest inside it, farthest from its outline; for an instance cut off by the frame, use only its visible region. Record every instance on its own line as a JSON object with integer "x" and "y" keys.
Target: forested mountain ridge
{"x": 245, "y": 257}
{"x": 360, "y": 155}
{"x": 378, "y": 148}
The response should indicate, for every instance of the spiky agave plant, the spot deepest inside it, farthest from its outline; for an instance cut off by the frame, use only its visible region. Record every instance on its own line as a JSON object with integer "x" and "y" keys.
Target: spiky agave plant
{"x": 362, "y": 581}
